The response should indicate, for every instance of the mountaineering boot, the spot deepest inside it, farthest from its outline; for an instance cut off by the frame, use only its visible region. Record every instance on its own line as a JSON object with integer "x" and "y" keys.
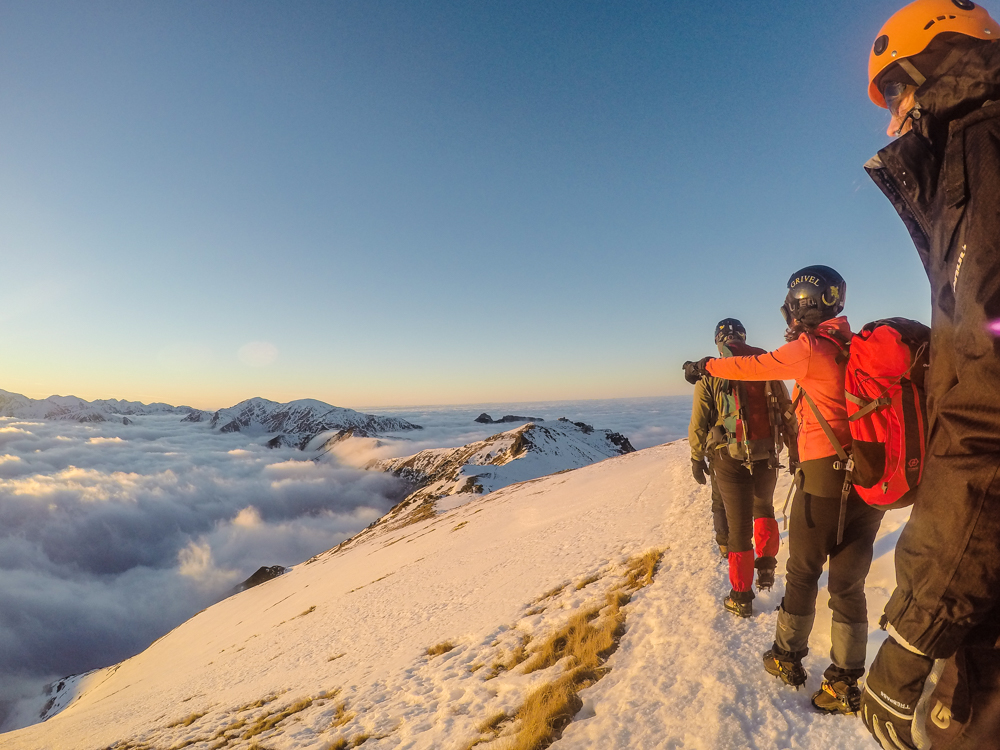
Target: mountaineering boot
{"x": 740, "y": 609}
{"x": 786, "y": 664}
{"x": 765, "y": 572}
{"x": 842, "y": 696}
{"x": 839, "y": 692}
{"x": 740, "y": 603}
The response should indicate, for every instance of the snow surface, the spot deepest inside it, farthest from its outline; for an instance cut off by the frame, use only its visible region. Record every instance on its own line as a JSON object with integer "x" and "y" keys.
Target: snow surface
{"x": 686, "y": 675}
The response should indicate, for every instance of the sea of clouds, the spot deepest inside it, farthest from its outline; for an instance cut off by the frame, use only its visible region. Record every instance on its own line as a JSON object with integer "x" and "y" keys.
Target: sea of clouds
{"x": 111, "y": 535}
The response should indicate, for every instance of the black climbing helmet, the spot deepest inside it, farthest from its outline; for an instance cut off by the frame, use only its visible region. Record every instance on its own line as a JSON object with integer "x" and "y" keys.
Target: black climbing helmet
{"x": 726, "y": 328}
{"x": 815, "y": 294}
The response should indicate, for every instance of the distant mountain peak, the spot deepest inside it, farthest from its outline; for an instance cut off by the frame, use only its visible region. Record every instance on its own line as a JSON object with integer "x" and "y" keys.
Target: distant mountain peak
{"x": 72, "y": 408}
{"x": 297, "y": 423}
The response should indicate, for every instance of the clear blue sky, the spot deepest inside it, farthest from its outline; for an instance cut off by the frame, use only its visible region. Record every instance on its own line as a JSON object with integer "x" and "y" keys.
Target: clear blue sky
{"x": 396, "y": 202}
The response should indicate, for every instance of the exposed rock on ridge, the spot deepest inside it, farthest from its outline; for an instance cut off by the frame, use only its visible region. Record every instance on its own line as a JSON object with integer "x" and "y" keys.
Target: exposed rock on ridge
{"x": 485, "y": 418}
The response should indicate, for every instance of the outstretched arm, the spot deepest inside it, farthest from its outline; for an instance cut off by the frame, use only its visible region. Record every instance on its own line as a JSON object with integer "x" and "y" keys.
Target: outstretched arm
{"x": 789, "y": 362}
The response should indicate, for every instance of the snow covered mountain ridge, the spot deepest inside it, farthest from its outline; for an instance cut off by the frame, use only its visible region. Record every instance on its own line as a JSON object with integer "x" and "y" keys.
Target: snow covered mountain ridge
{"x": 80, "y": 410}
{"x": 298, "y": 422}
{"x": 294, "y": 423}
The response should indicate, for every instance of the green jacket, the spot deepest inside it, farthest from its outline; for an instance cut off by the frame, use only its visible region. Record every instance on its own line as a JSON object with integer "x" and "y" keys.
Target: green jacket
{"x": 708, "y": 411}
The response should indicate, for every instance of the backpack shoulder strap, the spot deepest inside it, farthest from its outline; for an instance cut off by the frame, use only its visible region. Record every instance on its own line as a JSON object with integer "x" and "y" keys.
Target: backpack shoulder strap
{"x": 834, "y": 337}
{"x": 827, "y": 430}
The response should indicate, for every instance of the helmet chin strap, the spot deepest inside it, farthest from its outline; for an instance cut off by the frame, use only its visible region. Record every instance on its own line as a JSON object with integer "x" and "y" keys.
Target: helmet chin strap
{"x": 919, "y": 79}
{"x": 913, "y": 114}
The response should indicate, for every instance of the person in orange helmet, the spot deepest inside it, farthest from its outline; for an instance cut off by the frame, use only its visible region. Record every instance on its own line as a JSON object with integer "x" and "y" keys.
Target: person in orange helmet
{"x": 936, "y": 679}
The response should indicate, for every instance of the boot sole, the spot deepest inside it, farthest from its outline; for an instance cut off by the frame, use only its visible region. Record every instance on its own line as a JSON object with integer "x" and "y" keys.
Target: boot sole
{"x": 833, "y": 710}
{"x": 738, "y": 613}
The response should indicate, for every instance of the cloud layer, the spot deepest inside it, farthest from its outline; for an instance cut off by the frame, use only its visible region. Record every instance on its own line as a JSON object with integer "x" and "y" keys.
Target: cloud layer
{"x": 110, "y": 535}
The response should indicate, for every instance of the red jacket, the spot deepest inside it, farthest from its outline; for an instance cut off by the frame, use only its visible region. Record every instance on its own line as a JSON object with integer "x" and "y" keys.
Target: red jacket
{"x": 811, "y": 361}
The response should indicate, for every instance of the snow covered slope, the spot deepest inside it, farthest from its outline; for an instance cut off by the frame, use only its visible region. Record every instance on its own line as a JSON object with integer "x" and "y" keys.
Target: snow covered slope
{"x": 80, "y": 410}
{"x": 298, "y": 422}
{"x": 413, "y": 639}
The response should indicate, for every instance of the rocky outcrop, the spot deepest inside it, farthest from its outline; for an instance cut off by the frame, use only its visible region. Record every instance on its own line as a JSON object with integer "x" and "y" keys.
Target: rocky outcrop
{"x": 262, "y": 575}
{"x": 485, "y": 418}
{"x": 296, "y": 423}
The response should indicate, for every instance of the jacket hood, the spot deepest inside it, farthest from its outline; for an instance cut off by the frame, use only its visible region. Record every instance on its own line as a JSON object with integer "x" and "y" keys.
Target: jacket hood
{"x": 964, "y": 85}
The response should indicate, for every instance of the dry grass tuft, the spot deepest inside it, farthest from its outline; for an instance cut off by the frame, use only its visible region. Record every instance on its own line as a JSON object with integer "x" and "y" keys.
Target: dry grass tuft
{"x": 306, "y": 612}
{"x": 188, "y": 743}
{"x": 341, "y": 715}
{"x": 514, "y": 658}
{"x": 641, "y": 569}
{"x": 551, "y": 593}
{"x": 442, "y": 648}
{"x": 493, "y": 722}
{"x": 461, "y": 525}
{"x": 341, "y": 655}
{"x": 342, "y": 744}
{"x": 187, "y": 721}
{"x": 261, "y": 702}
{"x": 587, "y": 581}
{"x": 587, "y": 641}
{"x": 269, "y": 721}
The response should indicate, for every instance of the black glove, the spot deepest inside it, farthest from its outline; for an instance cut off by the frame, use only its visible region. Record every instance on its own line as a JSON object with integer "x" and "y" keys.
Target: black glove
{"x": 891, "y": 693}
{"x": 698, "y": 468}
{"x": 695, "y": 371}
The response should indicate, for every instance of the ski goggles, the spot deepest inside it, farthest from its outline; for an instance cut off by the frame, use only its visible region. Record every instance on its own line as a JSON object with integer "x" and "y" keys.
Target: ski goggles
{"x": 893, "y": 93}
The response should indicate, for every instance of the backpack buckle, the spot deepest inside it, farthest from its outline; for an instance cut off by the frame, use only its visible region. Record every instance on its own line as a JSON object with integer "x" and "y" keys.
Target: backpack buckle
{"x": 847, "y": 465}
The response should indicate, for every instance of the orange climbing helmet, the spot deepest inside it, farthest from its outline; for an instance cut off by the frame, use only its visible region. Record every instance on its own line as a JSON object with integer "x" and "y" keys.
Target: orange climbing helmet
{"x": 911, "y": 29}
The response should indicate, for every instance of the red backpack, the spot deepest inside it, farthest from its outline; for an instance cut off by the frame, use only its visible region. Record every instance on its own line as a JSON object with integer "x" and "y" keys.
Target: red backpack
{"x": 887, "y": 409}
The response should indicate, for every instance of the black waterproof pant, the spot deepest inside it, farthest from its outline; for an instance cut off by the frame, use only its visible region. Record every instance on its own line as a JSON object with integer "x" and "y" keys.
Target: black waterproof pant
{"x": 746, "y": 496}
{"x": 812, "y": 539}
{"x": 719, "y": 521}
